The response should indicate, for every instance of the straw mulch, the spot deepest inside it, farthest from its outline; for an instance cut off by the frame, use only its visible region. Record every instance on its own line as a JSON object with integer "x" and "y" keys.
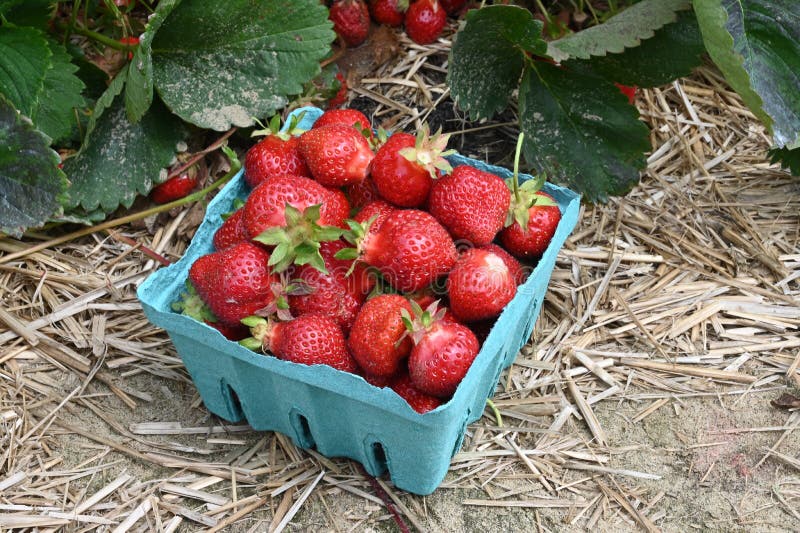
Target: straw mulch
{"x": 685, "y": 289}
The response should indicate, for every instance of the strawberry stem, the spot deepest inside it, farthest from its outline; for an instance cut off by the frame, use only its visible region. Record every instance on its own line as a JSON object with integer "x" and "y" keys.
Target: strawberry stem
{"x": 515, "y": 177}
{"x": 495, "y": 411}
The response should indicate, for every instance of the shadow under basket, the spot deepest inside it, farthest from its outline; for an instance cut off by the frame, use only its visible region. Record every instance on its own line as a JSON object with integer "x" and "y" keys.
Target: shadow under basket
{"x": 337, "y": 413}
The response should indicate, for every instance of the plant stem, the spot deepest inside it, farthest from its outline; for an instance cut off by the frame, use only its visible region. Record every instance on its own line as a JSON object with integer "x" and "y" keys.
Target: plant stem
{"x": 199, "y": 195}
{"x": 515, "y": 177}
{"x": 495, "y": 411}
{"x": 99, "y": 37}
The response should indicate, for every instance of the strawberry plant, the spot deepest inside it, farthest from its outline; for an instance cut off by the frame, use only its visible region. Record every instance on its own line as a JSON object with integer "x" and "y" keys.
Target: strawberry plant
{"x": 578, "y": 126}
{"x": 113, "y": 91}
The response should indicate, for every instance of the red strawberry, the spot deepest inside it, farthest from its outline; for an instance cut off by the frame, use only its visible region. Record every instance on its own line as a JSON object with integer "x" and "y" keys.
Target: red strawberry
{"x": 479, "y": 285}
{"x": 360, "y": 194}
{"x": 266, "y": 206}
{"x": 341, "y": 95}
{"x": 174, "y": 188}
{"x": 389, "y": 12}
{"x": 518, "y": 272}
{"x": 276, "y": 154}
{"x": 337, "y": 155}
{"x": 131, "y": 42}
{"x": 335, "y": 293}
{"x": 418, "y": 400}
{"x": 411, "y": 249}
{"x": 627, "y": 90}
{"x": 348, "y": 117}
{"x": 425, "y": 20}
{"x": 232, "y": 231}
{"x": 337, "y": 208}
{"x": 307, "y": 340}
{"x": 405, "y": 166}
{"x": 442, "y": 354}
{"x": 539, "y": 220}
{"x": 234, "y": 283}
{"x": 452, "y": 6}
{"x": 192, "y": 305}
{"x": 378, "y": 338}
{"x": 378, "y": 209}
{"x": 471, "y": 204}
{"x": 350, "y": 20}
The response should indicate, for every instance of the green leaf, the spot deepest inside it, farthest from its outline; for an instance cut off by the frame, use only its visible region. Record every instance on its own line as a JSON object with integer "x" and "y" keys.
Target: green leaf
{"x": 61, "y": 95}
{"x": 139, "y": 89}
{"x": 106, "y": 100}
{"x": 24, "y": 62}
{"x": 488, "y": 55}
{"x": 756, "y": 44}
{"x": 120, "y": 160}
{"x": 36, "y": 13}
{"x": 621, "y": 31}
{"x": 221, "y": 63}
{"x": 671, "y": 53}
{"x": 789, "y": 159}
{"x": 581, "y": 130}
{"x": 32, "y": 188}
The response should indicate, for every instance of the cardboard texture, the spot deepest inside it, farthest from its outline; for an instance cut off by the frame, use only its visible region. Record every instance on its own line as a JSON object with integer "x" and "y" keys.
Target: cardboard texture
{"x": 337, "y": 413}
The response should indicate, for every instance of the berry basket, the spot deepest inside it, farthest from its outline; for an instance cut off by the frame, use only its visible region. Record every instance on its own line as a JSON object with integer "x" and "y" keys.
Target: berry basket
{"x": 337, "y": 413}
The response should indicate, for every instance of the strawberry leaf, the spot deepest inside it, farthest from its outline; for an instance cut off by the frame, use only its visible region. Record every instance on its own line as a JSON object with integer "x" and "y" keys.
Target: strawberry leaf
{"x": 25, "y": 58}
{"x": 32, "y": 188}
{"x": 488, "y": 56}
{"x": 61, "y": 95}
{"x": 580, "y": 129}
{"x": 624, "y": 30}
{"x": 243, "y": 58}
{"x": 789, "y": 159}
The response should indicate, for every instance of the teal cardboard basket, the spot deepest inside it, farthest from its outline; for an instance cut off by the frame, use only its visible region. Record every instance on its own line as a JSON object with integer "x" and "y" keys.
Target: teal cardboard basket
{"x": 340, "y": 414}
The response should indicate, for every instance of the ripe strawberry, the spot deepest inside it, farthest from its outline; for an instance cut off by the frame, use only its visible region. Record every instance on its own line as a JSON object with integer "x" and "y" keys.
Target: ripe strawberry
{"x": 410, "y": 249}
{"x": 442, "y": 354}
{"x": 378, "y": 339}
{"x": 337, "y": 155}
{"x": 350, "y": 20}
{"x": 425, "y": 20}
{"x": 418, "y": 400}
{"x": 132, "y": 42}
{"x": 361, "y": 194}
{"x": 479, "y": 285}
{"x": 452, "y": 6}
{"x": 340, "y": 97}
{"x": 405, "y": 166}
{"x": 471, "y": 204}
{"x": 232, "y": 231}
{"x": 235, "y": 282}
{"x": 265, "y": 208}
{"x": 308, "y": 340}
{"x": 175, "y": 188}
{"x": 334, "y": 294}
{"x": 276, "y": 154}
{"x": 378, "y": 209}
{"x": 192, "y": 305}
{"x": 627, "y": 90}
{"x": 348, "y": 117}
{"x": 337, "y": 207}
{"x": 533, "y": 224}
{"x": 389, "y": 12}
{"x": 518, "y": 272}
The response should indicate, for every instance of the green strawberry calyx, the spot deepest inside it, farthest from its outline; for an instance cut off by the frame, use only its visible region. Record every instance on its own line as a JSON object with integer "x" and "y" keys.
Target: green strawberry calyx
{"x": 274, "y": 127}
{"x": 429, "y": 151}
{"x": 420, "y": 321}
{"x": 525, "y": 195}
{"x": 193, "y": 306}
{"x": 260, "y": 328}
{"x": 298, "y": 242}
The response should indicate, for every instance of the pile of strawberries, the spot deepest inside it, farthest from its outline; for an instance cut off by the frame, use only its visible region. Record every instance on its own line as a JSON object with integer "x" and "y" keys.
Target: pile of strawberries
{"x": 423, "y": 20}
{"x": 370, "y": 254}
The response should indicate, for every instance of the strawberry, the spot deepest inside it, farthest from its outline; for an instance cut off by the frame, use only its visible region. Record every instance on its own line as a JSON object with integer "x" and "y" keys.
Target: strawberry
{"x": 337, "y": 207}
{"x": 192, "y": 305}
{"x": 418, "y": 400}
{"x": 175, "y": 187}
{"x": 518, "y": 272}
{"x": 442, "y": 354}
{"x": 348, "y": 117}
{"x": 350, "y": 20}
{"x": 334, "y": 294}
{"x": 627, "y": 90}
{"x": 405, "y": 166}
{"x": 132, "y": 42}
{"x": 277, "y": 153}
{"x": 377, "y": 339}
{"x": 337, "y": 154}
{"x": 232, "y": 231}
{"x": 388, "y": 12}
{"x": 235, "y": 282}
{"x": 410, "y": 249}
{"x": 339, "y": 99}
{"x": 471, "y": 204}
{"x": 378, "y": 209}
{"x": 308, "y": 340}
{"x": 361, "y": 194}
{"x": 425, "y": 20}
{"x": 452, "y": 6}
{"x": 479, "y": 285}
{"x": 533, "y": 227}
